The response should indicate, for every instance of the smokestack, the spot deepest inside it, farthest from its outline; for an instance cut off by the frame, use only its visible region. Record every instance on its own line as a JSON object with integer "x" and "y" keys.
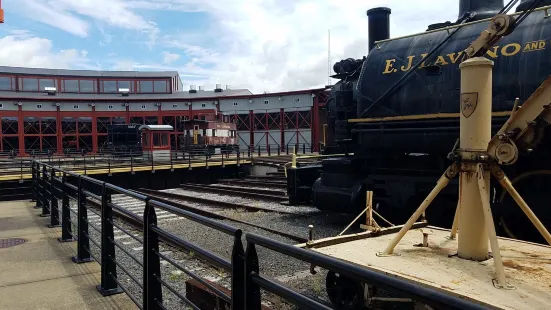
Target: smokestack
{"x": 482, "y": 8}
{"x": 379, "y": 25}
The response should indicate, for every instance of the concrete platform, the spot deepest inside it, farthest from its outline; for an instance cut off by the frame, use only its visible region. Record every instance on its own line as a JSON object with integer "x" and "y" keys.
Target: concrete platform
{"x": 527, "y": 267}
{"x": 39, "y": 273}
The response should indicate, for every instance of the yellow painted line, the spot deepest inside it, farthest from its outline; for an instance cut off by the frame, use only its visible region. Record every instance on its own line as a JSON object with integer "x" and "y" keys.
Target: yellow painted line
{"x": 13, "y": 177}
{"x": 92, "y": 171}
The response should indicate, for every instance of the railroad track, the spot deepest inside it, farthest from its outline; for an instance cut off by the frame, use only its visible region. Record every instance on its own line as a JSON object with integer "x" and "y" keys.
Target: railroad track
{"x": 175, "y": 200}
{"x": 211, "y": 202}
{"x": 257, "y": 183}
{"x": 267, "y": 177}
{"x": 286, "y": 270}
{"x": 240, "y": 192}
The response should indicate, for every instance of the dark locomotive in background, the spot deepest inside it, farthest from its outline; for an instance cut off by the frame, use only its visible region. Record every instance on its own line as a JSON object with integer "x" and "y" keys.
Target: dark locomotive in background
{"x": 396, "y": 114}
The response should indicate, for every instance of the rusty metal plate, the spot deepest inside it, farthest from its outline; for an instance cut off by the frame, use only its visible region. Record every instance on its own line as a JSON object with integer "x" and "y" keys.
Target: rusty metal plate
{"x": 6, "y": 243}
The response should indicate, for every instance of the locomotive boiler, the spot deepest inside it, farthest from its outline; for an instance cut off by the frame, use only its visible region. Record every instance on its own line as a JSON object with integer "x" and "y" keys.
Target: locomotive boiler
{"x": 396, "y": 113}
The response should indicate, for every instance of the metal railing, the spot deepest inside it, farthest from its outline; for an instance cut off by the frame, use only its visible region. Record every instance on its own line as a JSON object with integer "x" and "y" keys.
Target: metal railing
{"x": 51, "y": 184}
{"x": 113, "y": 162}
{"x": 276, "y": 149}
{"x": 20, "y": 167}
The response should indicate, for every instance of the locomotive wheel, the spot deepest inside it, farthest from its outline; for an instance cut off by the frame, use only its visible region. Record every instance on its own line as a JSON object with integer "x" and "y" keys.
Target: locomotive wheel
{"x": 534, "y": 187}
{"x": 344, "y": 293}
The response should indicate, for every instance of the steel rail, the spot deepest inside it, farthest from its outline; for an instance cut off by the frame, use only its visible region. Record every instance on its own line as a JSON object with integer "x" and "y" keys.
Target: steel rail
{"x": 247, "y": 193}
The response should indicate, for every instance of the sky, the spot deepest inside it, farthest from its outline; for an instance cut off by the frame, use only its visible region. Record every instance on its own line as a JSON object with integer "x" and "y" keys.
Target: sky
{"x": 260, "y": 45}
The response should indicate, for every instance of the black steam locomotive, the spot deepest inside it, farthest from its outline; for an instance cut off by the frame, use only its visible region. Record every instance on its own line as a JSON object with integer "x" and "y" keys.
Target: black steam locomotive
{"x": 396, "y": 112}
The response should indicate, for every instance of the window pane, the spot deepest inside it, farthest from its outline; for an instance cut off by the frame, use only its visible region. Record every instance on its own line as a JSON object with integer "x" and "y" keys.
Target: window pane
{"x": 5, "y": 83}
{"x": 29, "y": 84}
{"x": 87, "y": 86}
{"x": 164, "y": 140}
{"x": 70, "y": 86}
{"x": 156, "y": 139}
{"x": 146, "y": 86}
{"x": 160, "y": 86}
{"x": 109, "y": 86}
{"x": 126, "y": 84}
{"x": 46, "y": 83}
{"x": 48, "y": 125}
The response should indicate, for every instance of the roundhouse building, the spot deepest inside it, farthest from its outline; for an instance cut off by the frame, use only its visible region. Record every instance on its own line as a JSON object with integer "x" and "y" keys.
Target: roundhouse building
{"x": 53, "y": 110}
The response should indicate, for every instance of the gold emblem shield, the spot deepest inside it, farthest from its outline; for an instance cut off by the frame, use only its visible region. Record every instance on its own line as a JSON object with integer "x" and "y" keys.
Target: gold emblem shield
{"x": 469, "y": 102}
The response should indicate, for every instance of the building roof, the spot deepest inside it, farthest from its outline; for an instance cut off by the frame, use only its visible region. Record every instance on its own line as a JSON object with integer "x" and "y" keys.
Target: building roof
{"x": 182, "y": 95}
{"x": 87, "y": 73}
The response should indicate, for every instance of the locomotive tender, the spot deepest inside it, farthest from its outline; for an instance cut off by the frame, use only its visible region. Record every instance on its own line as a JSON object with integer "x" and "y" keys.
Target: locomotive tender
{"x": 396, "y": 112}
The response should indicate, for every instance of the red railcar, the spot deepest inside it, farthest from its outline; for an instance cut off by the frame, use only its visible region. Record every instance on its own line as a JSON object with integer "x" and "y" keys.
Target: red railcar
{"x": 210, "y": 134}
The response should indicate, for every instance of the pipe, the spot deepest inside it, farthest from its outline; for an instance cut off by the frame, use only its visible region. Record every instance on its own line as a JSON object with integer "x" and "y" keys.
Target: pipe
{"x": 378, "y": 25}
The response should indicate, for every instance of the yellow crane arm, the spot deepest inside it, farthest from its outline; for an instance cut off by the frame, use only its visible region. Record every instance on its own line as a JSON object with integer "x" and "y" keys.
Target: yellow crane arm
{"x": 523, "y": 126}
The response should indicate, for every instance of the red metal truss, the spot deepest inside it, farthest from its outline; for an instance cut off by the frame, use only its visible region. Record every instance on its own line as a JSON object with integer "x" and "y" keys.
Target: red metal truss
{"x": 24, "y": 131}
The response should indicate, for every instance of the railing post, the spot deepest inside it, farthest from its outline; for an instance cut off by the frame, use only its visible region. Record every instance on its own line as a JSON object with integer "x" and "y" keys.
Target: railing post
{"x": 152, "y": 290}
{"x": 238, "y": 157}
{"x": 131, "y": 164}
{"x": 171, "y": 163}
{"x": 269, "y": 150}
{"x": 34, "y": 184}
{"x": 66, "y": 227}
{"x": 83, "y": 243}
{"x": 304, "y": 148}
{"x": 287, "y": 149}
{"x": 108, "y": 284}
{"x": 207, "y": 159}
{"x": 84, "y": 160}
{"x": 252, "y": 290}
{"x": 54, "y": 210}
{"x": 21, "y": 168}
{"x": 44, "y": 203}
{"x": 278, "y": 150}
{"x": 259, "y": 151}
{"x": 238, "y": 273}
{"x": 221, "y": 152}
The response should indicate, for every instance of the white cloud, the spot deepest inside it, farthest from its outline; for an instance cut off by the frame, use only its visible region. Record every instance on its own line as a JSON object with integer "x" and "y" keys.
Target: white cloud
{"x": 274, "y": 45}
{"x": 74, "y": 16}
{"x": 169, "y": 57}
{"x": 26, "y": 50}
{"x": 263, "y": 45}
{"x": 277, "y": 45}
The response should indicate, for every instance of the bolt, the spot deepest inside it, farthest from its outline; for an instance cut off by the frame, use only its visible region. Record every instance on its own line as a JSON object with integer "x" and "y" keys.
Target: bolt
{"x": 425, "y": 239}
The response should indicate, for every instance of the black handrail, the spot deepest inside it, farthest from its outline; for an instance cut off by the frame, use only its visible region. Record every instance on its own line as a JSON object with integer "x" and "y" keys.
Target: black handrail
{"x": 50, "y": 184}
